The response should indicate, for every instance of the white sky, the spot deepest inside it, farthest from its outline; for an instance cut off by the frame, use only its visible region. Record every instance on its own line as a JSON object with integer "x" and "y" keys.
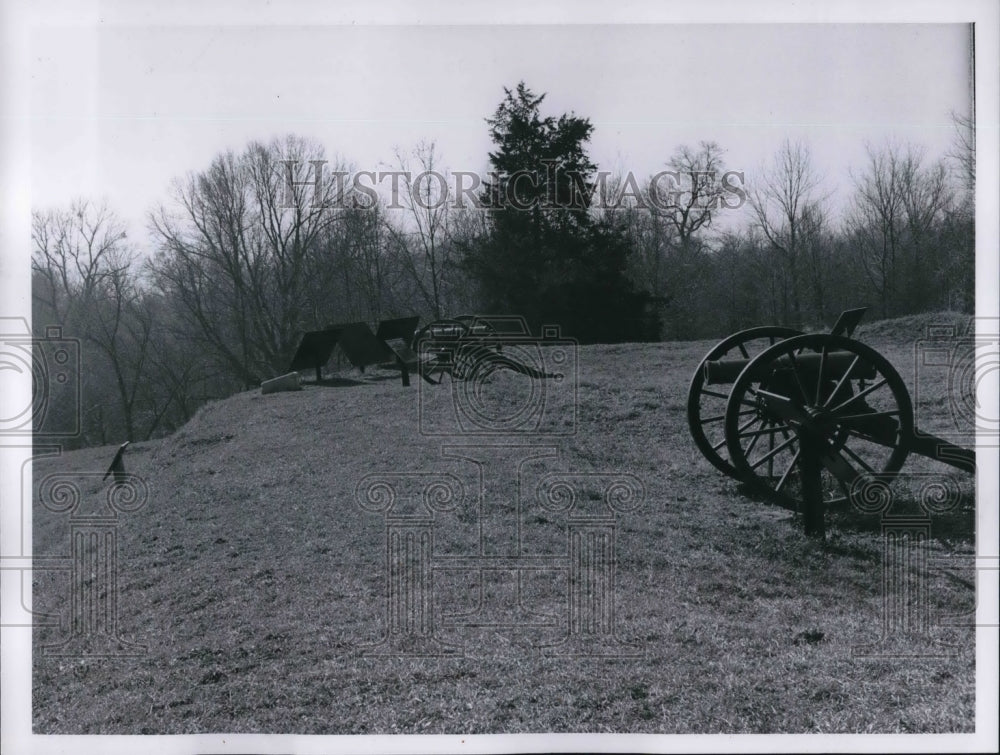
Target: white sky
{"x": 118, "y": 111}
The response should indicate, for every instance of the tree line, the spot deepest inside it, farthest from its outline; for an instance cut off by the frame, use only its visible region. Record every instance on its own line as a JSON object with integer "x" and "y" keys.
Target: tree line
{"x": 247, "y": 255}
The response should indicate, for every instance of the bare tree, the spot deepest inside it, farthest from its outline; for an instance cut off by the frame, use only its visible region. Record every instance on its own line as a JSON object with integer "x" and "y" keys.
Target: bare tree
{"x": 665, "y": 224}
{"x": 877, "y": 220}
{"x": 697, "y": 192}
{"x": 422, "y": 240}
{"x": 651, "y": 242}
{"x": 242, "y": 250}
{"x": 782, "y": 201}
{"x": 85, "y": 275}
{"x": 897, "y": 207}
{"x": 122, "y": 333}
{"x": 629, "y": 209}
{"x": 73, "y": 251}
{"x": 373, "y": 276}
{"x": 817, "y": 251}
{"x": 963, "y": 151}
{"x": 466, "y": 226}
{"x": 926, "y": 199}
{"x": 958, "y": 267}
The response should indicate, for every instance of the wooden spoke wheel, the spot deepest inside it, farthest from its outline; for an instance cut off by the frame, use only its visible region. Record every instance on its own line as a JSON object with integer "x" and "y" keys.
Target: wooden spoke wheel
{"x": 846, "y": 396}
{"x": 706, "y": 407}
{"x": 436, "y": 345}
{"x": 452, "y": 346}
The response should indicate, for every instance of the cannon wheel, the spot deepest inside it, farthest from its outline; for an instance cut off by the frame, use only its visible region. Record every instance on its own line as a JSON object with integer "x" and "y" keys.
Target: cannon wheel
{"x": 861, "y": 408}
{"x": 447, "y": 340}
{"x": 442, "y": 337}
{"x": 706, "y": 407}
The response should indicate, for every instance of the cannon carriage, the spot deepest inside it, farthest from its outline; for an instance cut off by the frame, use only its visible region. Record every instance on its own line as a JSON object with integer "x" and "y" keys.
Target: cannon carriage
{"x": 465, "y": 348}
{"x": 804, "y": 419}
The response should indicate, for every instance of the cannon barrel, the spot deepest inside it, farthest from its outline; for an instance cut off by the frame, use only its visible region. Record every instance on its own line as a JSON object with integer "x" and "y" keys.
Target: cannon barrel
{"x": 835, "y": 363}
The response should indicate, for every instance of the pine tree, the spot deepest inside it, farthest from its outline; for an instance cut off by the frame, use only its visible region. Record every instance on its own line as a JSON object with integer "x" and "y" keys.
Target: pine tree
{"x": 544, "y": 255}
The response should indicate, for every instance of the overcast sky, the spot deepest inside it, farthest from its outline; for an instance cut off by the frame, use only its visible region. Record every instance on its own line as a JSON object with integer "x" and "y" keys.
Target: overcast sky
{"x": 118, "y": 111}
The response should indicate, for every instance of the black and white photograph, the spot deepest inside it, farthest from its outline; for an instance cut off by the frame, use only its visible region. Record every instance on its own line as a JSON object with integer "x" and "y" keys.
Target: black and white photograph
{"x": 556, "y": 377}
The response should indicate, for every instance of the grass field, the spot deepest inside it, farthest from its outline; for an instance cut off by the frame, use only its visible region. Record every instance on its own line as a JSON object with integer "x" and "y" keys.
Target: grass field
{"x": 257, "y": 584}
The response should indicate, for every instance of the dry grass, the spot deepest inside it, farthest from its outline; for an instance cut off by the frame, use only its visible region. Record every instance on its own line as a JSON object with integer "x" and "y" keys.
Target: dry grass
{"x": 255, "y": 581}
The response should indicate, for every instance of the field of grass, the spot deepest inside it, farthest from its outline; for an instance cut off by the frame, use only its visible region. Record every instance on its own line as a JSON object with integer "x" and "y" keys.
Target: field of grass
{"x": 257, "y": 585}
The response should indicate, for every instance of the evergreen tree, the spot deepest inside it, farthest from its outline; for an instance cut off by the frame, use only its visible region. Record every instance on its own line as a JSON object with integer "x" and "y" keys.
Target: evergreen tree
{"x": 543, "y": 254}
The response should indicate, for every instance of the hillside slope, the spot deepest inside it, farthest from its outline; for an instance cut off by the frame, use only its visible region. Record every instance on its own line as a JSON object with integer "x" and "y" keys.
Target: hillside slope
{"x": 257, "y": 584}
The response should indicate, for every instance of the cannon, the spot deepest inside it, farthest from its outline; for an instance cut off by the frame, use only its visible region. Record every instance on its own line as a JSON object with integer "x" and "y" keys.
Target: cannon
{"x": 470, "y": 347}
{"x": 467, "y": 347}
{"x": 801, "y": 419}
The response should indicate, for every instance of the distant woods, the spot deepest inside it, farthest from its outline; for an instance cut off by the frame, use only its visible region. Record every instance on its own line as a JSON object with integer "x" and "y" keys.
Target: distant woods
{"x": 280, "y": 238}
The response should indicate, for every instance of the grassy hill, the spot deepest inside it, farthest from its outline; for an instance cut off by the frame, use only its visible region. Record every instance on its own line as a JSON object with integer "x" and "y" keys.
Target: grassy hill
{"x": 257, "y": 584}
